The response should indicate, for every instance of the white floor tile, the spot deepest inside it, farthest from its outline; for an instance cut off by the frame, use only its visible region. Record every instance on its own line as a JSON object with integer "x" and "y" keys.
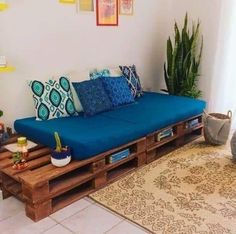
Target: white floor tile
{"x": 20, "y": 224}
{"x": 70, "y": 210}
{"x": 92, "y": 220}
{"x": 58, "y": 229}
{"x": 108, "y": 210}
{"x": 10, "y": 207}
{"x": 89, "y": 200}
{"x": 127, "y": 228}
{"x": 1, "y": 198}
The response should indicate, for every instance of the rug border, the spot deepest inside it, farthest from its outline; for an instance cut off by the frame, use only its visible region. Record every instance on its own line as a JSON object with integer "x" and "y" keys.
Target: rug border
{"x": 121, "y": 215}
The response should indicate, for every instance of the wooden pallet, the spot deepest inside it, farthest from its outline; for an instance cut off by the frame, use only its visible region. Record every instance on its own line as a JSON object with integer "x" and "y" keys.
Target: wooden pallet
{"x": 46, "y": 189}
{"x": 181, "y": 135}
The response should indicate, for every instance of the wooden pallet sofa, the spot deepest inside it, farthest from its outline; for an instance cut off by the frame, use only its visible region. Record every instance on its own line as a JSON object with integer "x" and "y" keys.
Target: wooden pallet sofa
{"x": 46, "y": 189}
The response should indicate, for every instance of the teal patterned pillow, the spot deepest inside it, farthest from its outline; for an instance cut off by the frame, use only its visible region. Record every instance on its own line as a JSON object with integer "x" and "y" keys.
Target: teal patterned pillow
{"x": 52, "y": 99}
{"x": 95, "y": 74}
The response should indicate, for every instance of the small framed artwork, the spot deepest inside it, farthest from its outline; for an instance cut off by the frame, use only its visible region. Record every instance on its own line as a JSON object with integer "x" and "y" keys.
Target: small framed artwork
{"x": 126, "y": 7}
{"x": 68, "y": 1}
{"x": 107, "y": 12}
{"x": 86, "y": 5}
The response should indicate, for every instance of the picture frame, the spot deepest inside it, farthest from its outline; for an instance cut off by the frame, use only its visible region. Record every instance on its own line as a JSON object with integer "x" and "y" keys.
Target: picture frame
{"x": 86, "y": 5}
{"x": 68, "y": 1}
{"x": 107, "y": 12}
{"x": 126, "y": 7}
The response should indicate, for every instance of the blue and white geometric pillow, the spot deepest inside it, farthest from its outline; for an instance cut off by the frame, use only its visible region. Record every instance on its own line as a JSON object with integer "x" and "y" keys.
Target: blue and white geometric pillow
{"x": 130, "y": 73}
{"x": 52, "y": 99}
{"x": 95, "y": 74}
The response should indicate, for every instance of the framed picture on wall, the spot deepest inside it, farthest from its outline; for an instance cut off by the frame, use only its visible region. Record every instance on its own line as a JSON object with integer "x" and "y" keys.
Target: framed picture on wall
{"x": 107, "y": 12}
{"x": 126, "y": 7}
{"x": 68, "y": 1}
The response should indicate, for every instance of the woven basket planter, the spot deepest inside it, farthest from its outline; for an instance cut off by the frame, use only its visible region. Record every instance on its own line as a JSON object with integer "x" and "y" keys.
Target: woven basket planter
{"x": 217, "y": 127}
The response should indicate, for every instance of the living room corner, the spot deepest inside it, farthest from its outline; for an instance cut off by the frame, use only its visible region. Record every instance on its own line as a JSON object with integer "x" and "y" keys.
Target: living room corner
{"x": 117, "y": 116}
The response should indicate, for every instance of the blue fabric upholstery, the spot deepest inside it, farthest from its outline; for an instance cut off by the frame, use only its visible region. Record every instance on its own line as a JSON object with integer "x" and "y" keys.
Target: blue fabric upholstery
{"x": 118, "y": 90}
{"x": 154, "y": 111}
{"x": 85, "y": 136}
{"x": 92, "y": 96}
{"x": 90, "y": 136}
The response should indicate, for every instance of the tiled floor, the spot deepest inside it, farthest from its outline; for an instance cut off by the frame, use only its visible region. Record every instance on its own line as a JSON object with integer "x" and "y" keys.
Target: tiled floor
{"x": 83, "y": 217}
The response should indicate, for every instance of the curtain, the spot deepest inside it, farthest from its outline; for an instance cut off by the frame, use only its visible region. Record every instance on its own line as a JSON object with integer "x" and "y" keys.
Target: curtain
{"x": 223, "y": 85}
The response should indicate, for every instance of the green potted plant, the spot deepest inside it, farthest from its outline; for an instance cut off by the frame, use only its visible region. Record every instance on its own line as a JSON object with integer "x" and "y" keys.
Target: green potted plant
{"x": 60, "y": 156}
{"x": 181, "y": 70}
{"x": 19, "y": 162}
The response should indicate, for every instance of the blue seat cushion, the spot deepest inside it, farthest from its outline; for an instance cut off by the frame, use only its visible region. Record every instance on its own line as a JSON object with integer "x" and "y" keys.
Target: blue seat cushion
{"x": 92, "y": 96}
{"x": 90, "y": 136}
{"x": 154, "y": 111}
{"x": 118, "y": 90}
{"x": 85, "y": 136}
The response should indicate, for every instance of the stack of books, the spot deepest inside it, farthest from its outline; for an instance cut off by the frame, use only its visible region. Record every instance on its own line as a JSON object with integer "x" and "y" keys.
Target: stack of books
{"x": 119, "y": 156}
{"x": 164, "y": 134}
{"x": 192, "y": 123}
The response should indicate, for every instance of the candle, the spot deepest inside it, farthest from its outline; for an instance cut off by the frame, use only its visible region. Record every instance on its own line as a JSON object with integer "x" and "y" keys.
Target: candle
{"x": 21, "y": 141}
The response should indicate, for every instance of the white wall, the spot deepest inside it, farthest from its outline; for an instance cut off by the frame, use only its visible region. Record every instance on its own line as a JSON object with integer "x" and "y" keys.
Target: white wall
{"x": 43, "y": 38}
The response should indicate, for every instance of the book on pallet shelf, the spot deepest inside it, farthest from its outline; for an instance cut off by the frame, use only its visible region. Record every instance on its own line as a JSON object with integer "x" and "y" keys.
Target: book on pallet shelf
{"x": 119, "y": 156}
{"x": 164, "y": 134}
{"x": 192, "y": 123}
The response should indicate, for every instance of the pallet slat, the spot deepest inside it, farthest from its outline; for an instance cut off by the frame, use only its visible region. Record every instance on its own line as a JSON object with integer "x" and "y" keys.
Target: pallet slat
{"x": 31, "y": 165}
{"x": 50, "y": 172}
{"x": 32, "y": 155}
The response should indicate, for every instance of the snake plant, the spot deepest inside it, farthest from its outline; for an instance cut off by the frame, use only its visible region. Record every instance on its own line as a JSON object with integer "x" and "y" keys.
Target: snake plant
{"x": 58, "y": 142}
{"x": 183, "y": 61}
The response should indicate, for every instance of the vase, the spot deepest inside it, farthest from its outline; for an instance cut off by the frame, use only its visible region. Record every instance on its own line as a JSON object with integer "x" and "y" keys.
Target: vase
{"x": 61, "y": 159}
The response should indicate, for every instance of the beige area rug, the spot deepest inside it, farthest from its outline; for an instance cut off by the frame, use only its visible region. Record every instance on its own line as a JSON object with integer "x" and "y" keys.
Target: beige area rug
{"x": 192, "y": 190}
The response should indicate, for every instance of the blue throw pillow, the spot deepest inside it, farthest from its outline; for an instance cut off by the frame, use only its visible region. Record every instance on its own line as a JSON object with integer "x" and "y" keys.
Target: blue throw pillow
{"x": 92, "y": 96}
{"x": 130, "y": 73}
{"x": 118, "y": 90}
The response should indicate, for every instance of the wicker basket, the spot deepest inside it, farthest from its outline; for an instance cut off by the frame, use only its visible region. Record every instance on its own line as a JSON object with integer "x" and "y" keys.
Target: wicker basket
{"x": 217, "y": 127}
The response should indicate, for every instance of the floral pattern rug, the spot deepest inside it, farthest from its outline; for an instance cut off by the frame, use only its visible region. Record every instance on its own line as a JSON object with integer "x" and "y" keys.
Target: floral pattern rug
{"x": 191, "y": 190}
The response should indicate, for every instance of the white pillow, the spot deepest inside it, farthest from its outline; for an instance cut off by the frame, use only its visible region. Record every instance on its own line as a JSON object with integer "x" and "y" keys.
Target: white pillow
{"x": 77, "y": 103}
{"x": 115, "y": 72}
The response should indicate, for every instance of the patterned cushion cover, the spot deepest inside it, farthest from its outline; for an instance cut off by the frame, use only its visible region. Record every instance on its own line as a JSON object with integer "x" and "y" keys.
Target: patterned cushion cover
{"x": 118, "y": 90}
{"x": 115, "y": 71}
{"x": 130, "y": 73}
{"x": 52, "y": 98}
{"x": 95, "y": 74}
{"x": 77, "y": 103}
{"x": 93, "y": 96}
